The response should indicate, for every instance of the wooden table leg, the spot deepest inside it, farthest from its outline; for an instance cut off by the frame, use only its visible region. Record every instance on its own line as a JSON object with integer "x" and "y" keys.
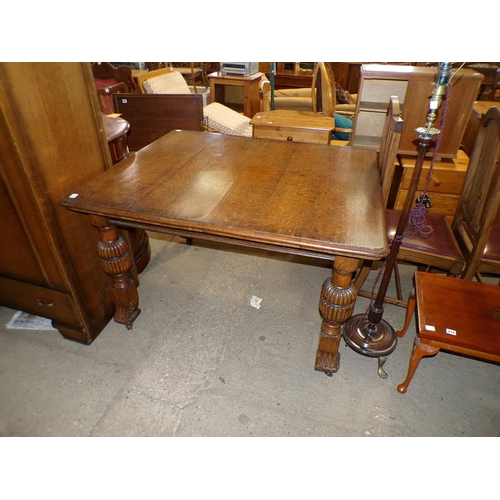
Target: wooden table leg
{"x": 336, "y": 304}
{"x": 410, "y": 309}
{"x": 251, "y": 98}
{"x": 217, "y": 92}
{"x": 116, "y": 261}
{"x": 420, "y": 350}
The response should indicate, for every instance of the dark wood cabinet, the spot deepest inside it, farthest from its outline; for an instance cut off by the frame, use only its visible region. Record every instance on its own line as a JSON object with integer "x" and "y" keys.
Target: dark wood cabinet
{"x": 52, "y": 139}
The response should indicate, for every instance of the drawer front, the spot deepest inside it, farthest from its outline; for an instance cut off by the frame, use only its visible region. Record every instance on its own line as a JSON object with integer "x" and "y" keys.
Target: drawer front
{"x": 295, "y": 135}
{"x": 442, "y": 203}
{"x": 442, "y": 181}
{"x": 38, "y": 300}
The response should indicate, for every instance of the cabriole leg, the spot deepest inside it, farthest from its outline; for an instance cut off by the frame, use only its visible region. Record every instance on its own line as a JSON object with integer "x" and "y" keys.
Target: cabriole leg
{"x": 420, "y": 350}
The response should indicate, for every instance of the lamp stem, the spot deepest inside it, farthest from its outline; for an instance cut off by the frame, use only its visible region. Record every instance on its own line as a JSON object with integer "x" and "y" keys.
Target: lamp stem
{"x": 369, "y": 334}
{"x": 426, "y": 134}
{"x": 376, "y": 309}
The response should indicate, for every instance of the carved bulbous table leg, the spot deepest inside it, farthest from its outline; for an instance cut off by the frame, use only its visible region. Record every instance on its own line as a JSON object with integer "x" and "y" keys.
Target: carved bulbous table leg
{"x": 116, "y": 261}
{"x": 139, "y": 241}
{"x": 336, "y": 304}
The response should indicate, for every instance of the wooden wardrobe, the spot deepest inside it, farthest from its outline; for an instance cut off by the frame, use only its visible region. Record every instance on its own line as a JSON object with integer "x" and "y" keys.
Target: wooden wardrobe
{"x": 52, "y": 140}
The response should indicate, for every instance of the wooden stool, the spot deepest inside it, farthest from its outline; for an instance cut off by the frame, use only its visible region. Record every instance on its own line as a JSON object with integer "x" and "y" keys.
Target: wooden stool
{"x": 456, "y": 315}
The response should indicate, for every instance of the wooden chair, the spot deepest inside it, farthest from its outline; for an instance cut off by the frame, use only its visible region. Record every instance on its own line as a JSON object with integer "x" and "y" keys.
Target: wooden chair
{"x": 476, "y": 224}
{"x": 387, "y": 160}
{"x": 193, "y": 72}
{"x": 143, "y": 77}
{"x": 106, "y": 71}
{"x": 472, "y": 246}
{"x": 458, "y": 316}
{"x": 105, "y": 91}
{"x": 494, "y": 94}
{"x": 218, "y": 118}
{"x": 110, "y": 80}
{"x": 173, "y": 83}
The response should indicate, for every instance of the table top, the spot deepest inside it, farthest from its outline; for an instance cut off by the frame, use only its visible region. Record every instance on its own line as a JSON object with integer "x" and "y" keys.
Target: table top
{"x": 450, "y": 309}
{"x": 318, "y": 198}
{"x": 293, "y": 119}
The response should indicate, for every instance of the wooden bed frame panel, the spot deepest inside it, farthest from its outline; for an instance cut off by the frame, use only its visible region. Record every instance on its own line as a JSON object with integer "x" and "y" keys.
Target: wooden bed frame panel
{"x": 151, "y": 116}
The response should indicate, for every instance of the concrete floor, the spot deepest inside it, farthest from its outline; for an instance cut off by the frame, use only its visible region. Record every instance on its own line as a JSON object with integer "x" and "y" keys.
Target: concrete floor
{"x": 202, "y": 361}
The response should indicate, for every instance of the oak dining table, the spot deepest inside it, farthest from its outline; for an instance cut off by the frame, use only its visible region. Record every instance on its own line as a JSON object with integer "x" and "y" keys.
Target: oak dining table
{"x": 312, "y": 200}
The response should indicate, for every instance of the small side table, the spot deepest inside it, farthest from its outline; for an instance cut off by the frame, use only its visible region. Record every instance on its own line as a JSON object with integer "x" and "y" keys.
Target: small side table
{"x": 297, "y": 126}
{"x": 250, "y": 84}
{"x": 453, "y": 314}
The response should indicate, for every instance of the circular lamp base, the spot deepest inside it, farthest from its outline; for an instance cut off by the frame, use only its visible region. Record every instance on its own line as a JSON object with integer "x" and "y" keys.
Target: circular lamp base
{"x": 373, "y": 340}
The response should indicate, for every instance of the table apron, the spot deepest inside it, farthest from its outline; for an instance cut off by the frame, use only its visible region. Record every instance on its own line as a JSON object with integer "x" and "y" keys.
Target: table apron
{"x": 189, "y": 234}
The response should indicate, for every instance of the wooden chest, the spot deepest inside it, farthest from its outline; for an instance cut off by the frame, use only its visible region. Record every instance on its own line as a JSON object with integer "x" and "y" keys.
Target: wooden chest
{"x": 297, "y": 126}
{"x": 445, "y": 184}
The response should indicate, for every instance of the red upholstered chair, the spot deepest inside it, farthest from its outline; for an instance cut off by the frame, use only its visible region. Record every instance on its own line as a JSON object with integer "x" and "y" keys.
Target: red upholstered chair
{"x": 105, "y": 91}
{"x": 387, "y": 159}
{"x": 106, "y": 71}
{"x": 476, "y": 225}
{"x": 471, "y": 245}
{"x": 110, "y": 80}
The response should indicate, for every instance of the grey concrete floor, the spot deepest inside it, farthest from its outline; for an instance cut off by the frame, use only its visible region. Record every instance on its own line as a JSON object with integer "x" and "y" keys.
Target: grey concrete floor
{"x": 202, "y": 361}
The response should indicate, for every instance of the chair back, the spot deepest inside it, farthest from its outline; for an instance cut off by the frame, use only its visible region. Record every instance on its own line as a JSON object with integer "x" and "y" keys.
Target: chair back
{"x": 105, "y": 91}
{"x": 143, "y": 77}
{"x": 192, "y": 72}
{"x": 494, "y": 94}
{"x": 479, "y": 201}
{"x": 391, "y": 137}
{"x": 389, "y": 145}
{"x": 106, "y": 71}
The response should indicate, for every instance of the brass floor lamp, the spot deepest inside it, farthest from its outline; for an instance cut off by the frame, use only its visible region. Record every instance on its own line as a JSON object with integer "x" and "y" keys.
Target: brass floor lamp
{"x": 368, "y": 333}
